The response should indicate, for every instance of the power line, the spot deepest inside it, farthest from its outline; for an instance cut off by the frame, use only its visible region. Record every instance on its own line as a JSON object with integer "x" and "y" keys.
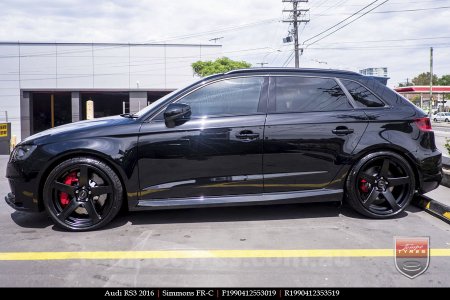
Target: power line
{"x": 289, "y": 59}
{"x": 408, "y": 10}
{"x": 340, "y": 22}
{"x": 395, "y": 11}
{"x": 229, "y": 28}
{"x": 398, "y": 3}
{"x": 384, "y": 47}
{"x": 390, "y": 40}
{"x": 328, "y": 8}
{"x": 345, "y": 25}
{"x": 109, "y": 46}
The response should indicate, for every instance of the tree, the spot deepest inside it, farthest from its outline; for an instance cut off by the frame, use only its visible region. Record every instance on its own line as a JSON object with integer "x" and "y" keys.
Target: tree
{"x": 220, "y": 65}
{"x": 403, "y": 84}
{"x": 424, "y": 79}
{"x": 444, "y": 80}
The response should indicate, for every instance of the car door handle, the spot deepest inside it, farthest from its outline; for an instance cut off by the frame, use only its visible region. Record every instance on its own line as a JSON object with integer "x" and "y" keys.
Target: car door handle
{"x": 247, "y": 135}
{"x": 342, "y": 130}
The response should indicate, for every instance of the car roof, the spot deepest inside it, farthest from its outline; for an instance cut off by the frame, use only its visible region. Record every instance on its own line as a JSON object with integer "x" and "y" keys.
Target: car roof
{"x": 293, "y": 70}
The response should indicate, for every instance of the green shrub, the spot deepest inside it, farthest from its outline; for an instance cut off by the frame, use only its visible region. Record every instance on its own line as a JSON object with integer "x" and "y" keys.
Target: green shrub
{"x": 447, "y": 145}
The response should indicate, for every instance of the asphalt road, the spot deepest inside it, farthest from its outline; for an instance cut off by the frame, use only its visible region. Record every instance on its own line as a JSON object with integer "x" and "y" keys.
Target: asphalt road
{"x": 201, "y": 232}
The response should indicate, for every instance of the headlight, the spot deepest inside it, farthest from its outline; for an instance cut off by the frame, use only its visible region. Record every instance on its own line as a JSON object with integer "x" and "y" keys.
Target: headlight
{"x": 21, "y": 152}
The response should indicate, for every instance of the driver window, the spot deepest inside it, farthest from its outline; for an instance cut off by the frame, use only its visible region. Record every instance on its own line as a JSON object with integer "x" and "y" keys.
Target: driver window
{"x": 229, "y": 97}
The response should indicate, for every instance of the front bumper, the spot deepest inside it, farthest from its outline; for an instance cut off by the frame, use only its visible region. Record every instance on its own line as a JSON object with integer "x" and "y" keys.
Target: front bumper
{"x": 10, "y": 198}
{"x": 24, "y": 189}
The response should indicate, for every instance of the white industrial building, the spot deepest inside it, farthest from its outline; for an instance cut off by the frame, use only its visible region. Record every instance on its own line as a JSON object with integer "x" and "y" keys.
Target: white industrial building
{"x": 43, "y": 85}
{"x": 378, "y": 72}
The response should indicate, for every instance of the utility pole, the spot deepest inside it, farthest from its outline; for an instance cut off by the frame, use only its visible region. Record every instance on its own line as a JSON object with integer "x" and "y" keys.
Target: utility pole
{"x": 262, "y": 64}
{"x": 431, "y": 81}
{"x": 216, "y": 39}
{"x": 296, "y": 18}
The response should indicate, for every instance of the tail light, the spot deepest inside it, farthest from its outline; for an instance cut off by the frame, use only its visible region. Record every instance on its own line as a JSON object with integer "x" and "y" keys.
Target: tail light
{"x": 424, "y": 124}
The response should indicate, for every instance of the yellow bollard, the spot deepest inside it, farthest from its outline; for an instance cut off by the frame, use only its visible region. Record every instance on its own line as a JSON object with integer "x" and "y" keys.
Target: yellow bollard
{"x": 13, "y": 143}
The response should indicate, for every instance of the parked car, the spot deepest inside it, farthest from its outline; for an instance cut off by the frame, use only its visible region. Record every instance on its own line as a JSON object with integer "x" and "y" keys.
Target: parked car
{"x": 247, "y": 137}
{"x": 441, "y": 117}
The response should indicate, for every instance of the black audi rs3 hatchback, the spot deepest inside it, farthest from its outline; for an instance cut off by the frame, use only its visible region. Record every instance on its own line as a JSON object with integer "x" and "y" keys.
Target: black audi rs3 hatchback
{"x": 246, "y": 137}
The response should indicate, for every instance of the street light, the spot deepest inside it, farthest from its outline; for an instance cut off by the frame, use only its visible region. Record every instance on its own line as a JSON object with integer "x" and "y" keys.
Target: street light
{"x": 262, "y": 63}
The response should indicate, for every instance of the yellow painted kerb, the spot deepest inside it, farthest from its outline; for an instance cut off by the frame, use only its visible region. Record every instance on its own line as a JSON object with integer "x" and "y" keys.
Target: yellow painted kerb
{"x": 447, "y": 215}
{"x": 195, "y": 254}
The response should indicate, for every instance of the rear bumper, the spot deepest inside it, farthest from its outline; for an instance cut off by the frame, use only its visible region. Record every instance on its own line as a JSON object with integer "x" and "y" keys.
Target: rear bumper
{"x": 430, "y": 173}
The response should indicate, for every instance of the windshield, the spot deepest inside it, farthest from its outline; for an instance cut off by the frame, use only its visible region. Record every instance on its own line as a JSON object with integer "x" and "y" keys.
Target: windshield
{"x": 154, "y": 104}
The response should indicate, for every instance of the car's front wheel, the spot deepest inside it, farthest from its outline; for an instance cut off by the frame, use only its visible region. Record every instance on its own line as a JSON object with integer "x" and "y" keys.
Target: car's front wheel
{"x": 82, "y": 194}
{"x": 435, "y": 120}
{"x": 380, "y": 185}
{"x": 446, "y": 120}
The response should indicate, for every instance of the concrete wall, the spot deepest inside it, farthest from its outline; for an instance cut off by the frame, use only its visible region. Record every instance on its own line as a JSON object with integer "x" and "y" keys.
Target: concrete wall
{"x": 76, "y": 109}
{"x": 138, "y": 100}
{"x": 25, "y": 115}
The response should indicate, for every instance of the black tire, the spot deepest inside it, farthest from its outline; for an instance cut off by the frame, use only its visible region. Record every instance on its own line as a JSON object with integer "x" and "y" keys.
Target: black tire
{"x": 380, "y": 185}
{"x": 82, "y": 194}
{"x": 435, "y": 120}
{"x": 446, "y": 120}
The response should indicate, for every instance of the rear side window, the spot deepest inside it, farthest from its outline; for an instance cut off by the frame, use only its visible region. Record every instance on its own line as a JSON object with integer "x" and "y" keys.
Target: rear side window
{"x": 362, "y": 96}
{"x": 308, "y": 94}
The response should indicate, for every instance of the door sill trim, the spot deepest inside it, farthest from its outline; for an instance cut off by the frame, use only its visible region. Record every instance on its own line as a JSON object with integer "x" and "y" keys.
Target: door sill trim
{"x": 321, "y": 195}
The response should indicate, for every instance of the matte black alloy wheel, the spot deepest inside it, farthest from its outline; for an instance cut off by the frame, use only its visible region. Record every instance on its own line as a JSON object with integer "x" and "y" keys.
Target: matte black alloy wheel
{"x": 82, "y": 194}
{"x": 382, "y": 185}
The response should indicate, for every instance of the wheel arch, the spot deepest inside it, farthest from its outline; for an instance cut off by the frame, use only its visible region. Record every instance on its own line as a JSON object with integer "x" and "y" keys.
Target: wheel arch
{"x": 78, "y": 153}
{"x": 390, "y": 148}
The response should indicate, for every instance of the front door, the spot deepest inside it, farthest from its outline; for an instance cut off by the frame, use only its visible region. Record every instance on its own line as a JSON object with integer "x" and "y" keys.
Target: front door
{"x": 311, "y": 131}
{"x": 218, "y": 152}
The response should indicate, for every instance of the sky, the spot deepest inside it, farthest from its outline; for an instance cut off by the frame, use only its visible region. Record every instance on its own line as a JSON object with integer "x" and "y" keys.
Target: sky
{"x": 396, "y": 35}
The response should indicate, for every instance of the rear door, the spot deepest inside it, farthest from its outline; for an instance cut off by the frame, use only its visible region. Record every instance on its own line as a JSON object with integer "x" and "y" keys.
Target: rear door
{"x": 311, "y": 130}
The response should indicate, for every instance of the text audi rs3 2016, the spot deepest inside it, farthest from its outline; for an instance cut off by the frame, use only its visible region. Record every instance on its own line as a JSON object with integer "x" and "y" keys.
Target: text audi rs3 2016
{"x": 257, "y": 136}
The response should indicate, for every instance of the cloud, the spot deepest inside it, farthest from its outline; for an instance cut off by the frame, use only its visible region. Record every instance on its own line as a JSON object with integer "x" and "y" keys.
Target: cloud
{"x": 152, "y": 20}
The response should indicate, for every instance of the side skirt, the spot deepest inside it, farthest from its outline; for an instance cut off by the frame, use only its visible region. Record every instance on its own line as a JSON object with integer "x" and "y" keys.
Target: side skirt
{"x": 322, "y": 195}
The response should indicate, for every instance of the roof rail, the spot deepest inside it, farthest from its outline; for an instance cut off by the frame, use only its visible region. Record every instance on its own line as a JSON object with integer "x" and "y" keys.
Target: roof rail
{"x": 306, "y": 70}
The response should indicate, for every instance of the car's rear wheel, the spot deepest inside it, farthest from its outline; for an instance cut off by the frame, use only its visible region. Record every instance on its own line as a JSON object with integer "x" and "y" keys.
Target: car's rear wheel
{"x": 446, "y": 120}
{"x": 380, "y": 185}
{"x": 82, "y": 194}
{"x": 435, "y": 120}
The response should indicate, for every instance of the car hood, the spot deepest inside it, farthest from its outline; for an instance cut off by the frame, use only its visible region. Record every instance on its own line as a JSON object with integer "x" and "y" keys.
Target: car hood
{"x": 79, "y": 129}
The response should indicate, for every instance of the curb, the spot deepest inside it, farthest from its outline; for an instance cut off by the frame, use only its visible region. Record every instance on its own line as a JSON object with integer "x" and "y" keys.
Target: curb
{"x": 433, "y": 207}
{"x": 445, "y": 171}
{"x": 445, "y": 177}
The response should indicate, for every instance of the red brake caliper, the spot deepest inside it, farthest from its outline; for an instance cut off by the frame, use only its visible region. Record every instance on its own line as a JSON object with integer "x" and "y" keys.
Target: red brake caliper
{"x": 70, "y": 179}
{"x": 364, "y": 186}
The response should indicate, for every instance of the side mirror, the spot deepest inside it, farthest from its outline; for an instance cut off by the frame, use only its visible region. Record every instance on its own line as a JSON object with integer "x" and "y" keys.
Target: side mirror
{"x": 177, "y": 114}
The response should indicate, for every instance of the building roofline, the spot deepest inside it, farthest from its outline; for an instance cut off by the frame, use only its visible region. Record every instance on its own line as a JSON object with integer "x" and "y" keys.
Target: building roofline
{"x": 9, "y": 43}
{"x": 424, "y": 86}
{"x": 423, "y": 89}
{"x": 99, "y": 90}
